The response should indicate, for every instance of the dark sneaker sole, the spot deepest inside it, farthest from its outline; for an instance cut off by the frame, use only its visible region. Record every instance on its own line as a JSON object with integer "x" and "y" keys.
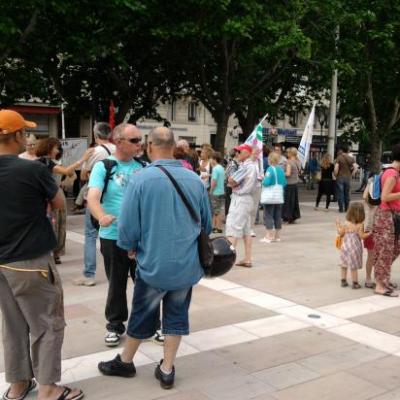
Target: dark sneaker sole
{"x": 164, "y": 385}
{"x": 114, "y": 373}
{"x": 112, "y": 344}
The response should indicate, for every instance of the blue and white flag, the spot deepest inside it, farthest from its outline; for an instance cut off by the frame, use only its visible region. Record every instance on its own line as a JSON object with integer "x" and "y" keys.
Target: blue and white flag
{"x": 306, "y": 140}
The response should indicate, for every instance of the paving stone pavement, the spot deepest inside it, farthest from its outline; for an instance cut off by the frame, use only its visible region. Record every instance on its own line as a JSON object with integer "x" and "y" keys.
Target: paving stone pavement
{"x": 282, "y": 330}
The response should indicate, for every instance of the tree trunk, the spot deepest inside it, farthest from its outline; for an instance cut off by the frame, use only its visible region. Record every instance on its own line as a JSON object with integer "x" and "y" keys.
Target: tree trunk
{"x": 123, "y": 109}
{"x": 222, "y": 127}
{"x": 376, "y": 150}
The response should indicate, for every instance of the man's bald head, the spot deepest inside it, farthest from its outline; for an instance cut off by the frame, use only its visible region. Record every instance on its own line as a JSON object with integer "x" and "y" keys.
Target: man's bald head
{"x": 162, "y": 138}
{"x": 122, "y": 129}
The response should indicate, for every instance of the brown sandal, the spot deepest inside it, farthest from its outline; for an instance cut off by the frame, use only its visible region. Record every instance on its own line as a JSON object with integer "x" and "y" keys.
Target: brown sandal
{"x": 244, "y": 264}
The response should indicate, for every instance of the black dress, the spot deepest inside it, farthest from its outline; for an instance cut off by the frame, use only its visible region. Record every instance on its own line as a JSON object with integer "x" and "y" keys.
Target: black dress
{"x": 326, "y": 185}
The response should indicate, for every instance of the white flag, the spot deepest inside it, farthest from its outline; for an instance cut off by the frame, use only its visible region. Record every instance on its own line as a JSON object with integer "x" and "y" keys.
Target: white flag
{"x": 306, "y": 140}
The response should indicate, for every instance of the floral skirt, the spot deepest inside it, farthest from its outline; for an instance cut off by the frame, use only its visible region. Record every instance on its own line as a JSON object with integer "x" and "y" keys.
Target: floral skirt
{"x": 386, "y": 246}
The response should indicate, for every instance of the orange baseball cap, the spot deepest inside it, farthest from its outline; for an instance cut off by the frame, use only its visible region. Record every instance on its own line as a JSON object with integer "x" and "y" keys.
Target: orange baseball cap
{"x": 11, "y": 121}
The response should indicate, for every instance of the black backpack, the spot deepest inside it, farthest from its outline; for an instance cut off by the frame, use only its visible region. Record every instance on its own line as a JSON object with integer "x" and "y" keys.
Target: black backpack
{"x": 108, "y": 165}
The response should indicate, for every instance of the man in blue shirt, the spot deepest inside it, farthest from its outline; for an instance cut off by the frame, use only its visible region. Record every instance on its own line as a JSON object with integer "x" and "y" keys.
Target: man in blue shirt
{"x": 118, "y": 265}
{"x": 156, "y": 227}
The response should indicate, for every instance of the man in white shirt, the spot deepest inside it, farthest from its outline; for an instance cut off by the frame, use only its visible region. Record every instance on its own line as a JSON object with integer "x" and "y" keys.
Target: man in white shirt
{"x": 104, "y": 148}
{"x": 238, "y": 222}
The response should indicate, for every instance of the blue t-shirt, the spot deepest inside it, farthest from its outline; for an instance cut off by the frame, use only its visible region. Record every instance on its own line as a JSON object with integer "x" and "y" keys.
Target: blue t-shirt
{"x": 155, "y": 222}
{"x": 112, "y": 199}
{"x": 218, "y": 175}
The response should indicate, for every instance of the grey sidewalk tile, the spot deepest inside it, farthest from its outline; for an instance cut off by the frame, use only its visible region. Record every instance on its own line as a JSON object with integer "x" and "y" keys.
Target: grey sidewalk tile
{"x": 332, "y": 387}
{"x": 341, "y": 359}
{"x": 281, "y": 349}
{"x": 384, "y": 372}
{"x": 226, "y": 315}
{"x": 286, "y": 375}
{"x": 186, "y": 395}
{"x": 380, "y": 320}
{"x": 234, "y": 388}
{"x": 392, "y": 395}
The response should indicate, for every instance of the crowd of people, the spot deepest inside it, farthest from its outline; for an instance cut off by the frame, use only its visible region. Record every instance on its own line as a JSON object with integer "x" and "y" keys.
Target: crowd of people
{"x": 132, "y": 205}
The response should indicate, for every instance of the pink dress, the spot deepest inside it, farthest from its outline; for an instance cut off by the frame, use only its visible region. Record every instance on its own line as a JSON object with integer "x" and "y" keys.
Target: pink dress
{"x": 351, "y": 251}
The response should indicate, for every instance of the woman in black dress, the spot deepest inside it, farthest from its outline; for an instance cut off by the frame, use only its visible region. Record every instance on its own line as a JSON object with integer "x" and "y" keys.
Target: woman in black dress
{"x": 326, "y": 183}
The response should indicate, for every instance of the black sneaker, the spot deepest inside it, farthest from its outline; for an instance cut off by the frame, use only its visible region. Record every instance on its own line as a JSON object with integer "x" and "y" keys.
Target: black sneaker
{"x": 166, "y": 380}
{"x": 117, "y": 367}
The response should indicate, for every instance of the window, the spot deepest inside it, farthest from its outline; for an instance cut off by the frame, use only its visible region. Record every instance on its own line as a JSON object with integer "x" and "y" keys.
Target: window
{"x": 192, "y": 111}
{"x": 294, "y": 118}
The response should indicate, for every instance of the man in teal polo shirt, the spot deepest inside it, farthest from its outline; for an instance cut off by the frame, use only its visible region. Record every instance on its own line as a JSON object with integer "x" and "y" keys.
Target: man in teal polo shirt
{"x": 118, "y": 265}
{"x": 217, "y": 192}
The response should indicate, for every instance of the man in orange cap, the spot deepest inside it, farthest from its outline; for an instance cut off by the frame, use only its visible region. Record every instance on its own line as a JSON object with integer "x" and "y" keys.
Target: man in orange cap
{"x": 31, "y": 298}
{"x": 238, "y": 221}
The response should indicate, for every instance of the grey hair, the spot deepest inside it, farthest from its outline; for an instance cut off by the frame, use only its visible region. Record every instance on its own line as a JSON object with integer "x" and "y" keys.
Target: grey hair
{"x": 102, "y": 130}
{"x": 182, "y": 143}
{"x": 119, "y": 130}
{"x": 162, "y": 137}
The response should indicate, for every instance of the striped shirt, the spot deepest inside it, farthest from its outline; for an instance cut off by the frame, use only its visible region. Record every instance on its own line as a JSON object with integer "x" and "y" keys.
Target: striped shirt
{"x": 246, "y": 177}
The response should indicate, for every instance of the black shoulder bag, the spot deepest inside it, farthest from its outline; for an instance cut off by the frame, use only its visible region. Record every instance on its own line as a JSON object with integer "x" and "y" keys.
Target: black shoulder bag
{"x": 206, "y": 252}
{"x": 108, "y": 165}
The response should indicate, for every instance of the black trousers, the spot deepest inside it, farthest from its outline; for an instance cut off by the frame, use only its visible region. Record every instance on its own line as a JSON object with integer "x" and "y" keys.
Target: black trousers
{"x": 117, "y": 266}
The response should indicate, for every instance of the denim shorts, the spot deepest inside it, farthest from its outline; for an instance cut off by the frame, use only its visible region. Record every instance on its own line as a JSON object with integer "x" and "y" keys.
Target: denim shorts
{"x": 145, "y": 316}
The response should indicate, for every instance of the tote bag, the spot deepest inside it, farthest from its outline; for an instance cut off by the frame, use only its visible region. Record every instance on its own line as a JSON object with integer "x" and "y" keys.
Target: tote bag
{"x": 272, "y": 194}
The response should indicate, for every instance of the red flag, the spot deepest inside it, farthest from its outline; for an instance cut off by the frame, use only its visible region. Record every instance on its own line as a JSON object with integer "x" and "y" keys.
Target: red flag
{"x": 111, "y": 119}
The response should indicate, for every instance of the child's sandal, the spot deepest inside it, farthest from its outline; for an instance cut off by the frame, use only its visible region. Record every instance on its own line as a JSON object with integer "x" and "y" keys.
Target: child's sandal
{"x": 356, "y": 285}
{"x": 344, "y": 283}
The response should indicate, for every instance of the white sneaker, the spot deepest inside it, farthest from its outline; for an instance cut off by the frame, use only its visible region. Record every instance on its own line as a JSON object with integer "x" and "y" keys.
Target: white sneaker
{"x": 158, "y": 338}
{"x": 84, "y": 282}
{"x": 112, "y": 339}
{"x": 266, "y": 240}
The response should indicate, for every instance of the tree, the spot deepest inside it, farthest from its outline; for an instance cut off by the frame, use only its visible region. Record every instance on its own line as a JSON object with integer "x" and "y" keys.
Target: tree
{"x": 238, "y": 51}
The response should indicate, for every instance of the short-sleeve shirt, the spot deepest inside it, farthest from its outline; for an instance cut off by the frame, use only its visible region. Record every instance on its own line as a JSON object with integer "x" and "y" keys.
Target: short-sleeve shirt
{"x": 112, "y": 199}
{"x": 246, "y": 177}
{"x": 99, "y": 153}
{"x": 395, "y": 204}
{"x": 295, "y": 168}
{"x": 26, "y": 188}
{"x": 218, "y": 175}
{"x": 345, "y": 165}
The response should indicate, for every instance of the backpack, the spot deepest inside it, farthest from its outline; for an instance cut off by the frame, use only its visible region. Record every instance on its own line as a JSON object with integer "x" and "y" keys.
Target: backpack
{"x": 108, "y": 165}
{"x": 375, "y": 188}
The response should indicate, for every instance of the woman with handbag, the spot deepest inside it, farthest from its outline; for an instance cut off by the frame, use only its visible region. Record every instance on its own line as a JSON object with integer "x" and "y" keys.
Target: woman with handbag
{"x": 386, "y": 228}
{"x": 272, "y": 199}
{"x": 291, "y": 207}
{"x": 325, "y": 184}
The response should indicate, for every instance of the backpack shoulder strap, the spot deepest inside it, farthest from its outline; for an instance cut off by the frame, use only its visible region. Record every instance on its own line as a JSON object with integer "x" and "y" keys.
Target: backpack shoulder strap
{"x": 141, "y": 162}
{"x": 106, "y": 149}
{"x": 108, "y": 165}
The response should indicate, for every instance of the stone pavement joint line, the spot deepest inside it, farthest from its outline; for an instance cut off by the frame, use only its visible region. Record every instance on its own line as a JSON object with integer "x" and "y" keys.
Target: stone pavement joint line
{"x": 293, "y": 316}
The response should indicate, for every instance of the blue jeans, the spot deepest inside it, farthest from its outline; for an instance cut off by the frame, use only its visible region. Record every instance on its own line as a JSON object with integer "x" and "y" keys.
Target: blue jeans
{"x": 343, "y": 192}
{"x": 90, "y": 247}
{"x": 145, "y": 315}
{"x": 273, "y": 216}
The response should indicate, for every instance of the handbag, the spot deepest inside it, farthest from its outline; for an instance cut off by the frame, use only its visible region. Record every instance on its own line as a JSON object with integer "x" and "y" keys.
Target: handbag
{"x": 338, "y": 242}
{"x": 206, "y": 251}
{"x": 272, "y": 194}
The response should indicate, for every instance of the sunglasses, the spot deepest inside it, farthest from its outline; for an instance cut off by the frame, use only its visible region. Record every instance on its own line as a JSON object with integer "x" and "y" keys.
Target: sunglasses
{"x": 133, "y": 140}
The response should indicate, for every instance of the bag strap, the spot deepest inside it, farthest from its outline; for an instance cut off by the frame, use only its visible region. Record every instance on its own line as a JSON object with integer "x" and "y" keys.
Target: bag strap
{"x": 108, "y": 165}
{"x": 179, "y": 190}
{"x": 276, "y": 175}
{"x": 106, "y": 149}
